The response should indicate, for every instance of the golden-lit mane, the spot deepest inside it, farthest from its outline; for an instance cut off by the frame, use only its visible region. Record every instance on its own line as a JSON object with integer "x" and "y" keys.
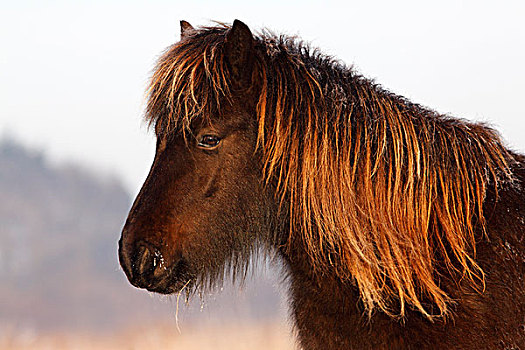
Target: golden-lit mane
{"x": 380, "y": 190}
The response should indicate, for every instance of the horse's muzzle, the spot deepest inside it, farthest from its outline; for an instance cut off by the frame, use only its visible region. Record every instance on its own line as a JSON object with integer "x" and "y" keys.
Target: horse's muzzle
{"x": 145, "y": 267}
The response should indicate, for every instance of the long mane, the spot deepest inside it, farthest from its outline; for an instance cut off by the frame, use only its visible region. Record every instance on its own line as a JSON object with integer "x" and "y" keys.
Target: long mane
{"x": 382, "y": 192}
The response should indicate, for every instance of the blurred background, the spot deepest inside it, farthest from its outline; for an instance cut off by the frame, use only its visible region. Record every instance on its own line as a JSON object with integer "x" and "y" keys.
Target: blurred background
{"x": 74, "y": 149}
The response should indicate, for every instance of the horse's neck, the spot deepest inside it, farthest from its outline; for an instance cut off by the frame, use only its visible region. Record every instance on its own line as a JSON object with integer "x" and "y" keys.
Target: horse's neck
{"x": 328, "y": 314}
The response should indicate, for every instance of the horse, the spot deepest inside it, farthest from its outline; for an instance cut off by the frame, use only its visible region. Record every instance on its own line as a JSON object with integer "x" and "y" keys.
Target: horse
{"x": 398, "y": 227}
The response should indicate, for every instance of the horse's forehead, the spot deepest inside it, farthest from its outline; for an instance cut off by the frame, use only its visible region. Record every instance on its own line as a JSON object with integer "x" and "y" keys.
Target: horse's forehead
{"x": 231, "y": 113}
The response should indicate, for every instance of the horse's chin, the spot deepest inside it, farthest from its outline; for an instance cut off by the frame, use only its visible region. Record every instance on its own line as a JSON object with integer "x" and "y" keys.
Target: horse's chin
{"x": 170, "y": 288}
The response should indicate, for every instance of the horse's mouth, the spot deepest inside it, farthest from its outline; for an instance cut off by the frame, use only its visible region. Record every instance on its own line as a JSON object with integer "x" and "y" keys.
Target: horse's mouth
{"x": 174, "y": 280}
{"x": 163, "y": 280}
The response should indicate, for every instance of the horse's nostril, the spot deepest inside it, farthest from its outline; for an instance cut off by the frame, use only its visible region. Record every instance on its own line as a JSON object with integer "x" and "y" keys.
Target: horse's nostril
{"x": 144, "y": 261}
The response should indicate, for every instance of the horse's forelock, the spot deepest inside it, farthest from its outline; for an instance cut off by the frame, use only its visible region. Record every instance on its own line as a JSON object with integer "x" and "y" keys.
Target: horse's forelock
{"x": 189, "y": 81}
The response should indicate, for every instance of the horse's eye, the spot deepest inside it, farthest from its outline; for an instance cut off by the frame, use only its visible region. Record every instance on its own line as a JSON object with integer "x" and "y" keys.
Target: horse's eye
{"x": 209, "y": 141}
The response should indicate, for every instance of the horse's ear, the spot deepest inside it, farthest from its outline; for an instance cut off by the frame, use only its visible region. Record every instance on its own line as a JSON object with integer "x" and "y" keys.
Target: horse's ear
{"x": 239, "y": 53}
{"x": 185, "y": 29}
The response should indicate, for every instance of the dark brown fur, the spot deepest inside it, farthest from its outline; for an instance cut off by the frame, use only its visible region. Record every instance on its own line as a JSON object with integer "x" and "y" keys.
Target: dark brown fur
{"x": 400, "y": 228}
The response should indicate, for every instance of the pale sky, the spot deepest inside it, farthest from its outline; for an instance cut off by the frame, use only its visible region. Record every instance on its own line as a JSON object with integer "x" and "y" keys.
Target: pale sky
{"x": 73, "y": 74}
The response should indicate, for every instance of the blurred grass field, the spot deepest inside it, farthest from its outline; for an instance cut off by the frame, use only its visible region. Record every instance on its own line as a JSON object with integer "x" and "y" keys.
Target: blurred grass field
{"x": 162, "y": 336}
